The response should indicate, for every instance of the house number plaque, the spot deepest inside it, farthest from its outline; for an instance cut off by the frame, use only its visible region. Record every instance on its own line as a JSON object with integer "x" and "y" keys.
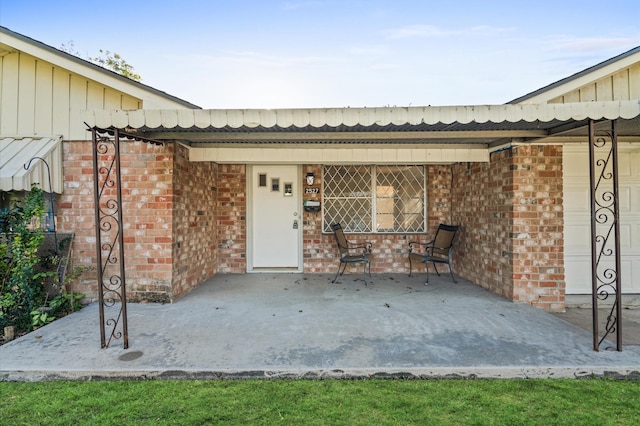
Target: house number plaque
{"x": 312, "y": 190}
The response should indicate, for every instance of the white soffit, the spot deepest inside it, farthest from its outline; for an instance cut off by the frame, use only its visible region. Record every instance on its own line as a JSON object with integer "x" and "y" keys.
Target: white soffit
{"x": 332, "y": 155}
{"x": 334, "y": 117}
{"x": 16, "y": 152}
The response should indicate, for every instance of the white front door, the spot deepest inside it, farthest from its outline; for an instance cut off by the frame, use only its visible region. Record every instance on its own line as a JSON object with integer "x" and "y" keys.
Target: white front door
{"x": 276, "y": 220}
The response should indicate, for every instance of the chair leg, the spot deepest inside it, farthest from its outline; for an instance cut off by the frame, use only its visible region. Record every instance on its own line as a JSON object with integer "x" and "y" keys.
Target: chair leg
{"x": 426, "y": 270}
{"x": 364, "y": 272}
{"x": 338, "y": 273}
{"x": 452, "y": 276}
{"x": 410, "y": 265}
{"x": 436, "y": 268}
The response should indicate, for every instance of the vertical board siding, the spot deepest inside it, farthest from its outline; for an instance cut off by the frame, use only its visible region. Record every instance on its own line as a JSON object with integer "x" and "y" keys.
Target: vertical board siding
{"x": 39, "y": 98}
{"x": 604, "y": 89}
{"x": 9, "y": 116}
{"x": 44, "y": 99}
{"x": 129, "y": 102}
{"x": 620, "y": 83}
{"x": 588, "y": 93}
{"x": 60, "y": 116}
{"x": 112, "y": 100}
{"x": 78, "y": 88}
{"x": 26, "y": 94}
{"x": 95, "y": 96}
{"x": 621, "y": 86}
{"x": 634, "y": 82}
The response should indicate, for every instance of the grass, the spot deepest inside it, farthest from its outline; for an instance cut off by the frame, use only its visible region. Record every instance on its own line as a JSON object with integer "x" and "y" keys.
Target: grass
{"x": 323, "y": 402}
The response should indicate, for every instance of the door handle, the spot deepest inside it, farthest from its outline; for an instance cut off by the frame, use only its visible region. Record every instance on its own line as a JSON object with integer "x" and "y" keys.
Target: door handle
{"x": 295, "y": 224}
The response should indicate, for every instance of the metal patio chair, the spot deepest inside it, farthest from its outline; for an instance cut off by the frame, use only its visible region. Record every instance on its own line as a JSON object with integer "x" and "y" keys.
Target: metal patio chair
{"x": 351, "y": 253}
{"x": 435, "y": 251}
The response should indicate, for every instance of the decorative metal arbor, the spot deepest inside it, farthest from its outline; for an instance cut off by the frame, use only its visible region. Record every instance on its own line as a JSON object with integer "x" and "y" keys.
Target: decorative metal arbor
{"x": 605, "y": 231}
{"x": 112, "y": 287}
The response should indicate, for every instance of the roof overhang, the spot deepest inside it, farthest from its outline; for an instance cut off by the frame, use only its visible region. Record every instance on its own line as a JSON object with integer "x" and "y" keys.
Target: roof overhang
{"x": 18, "y": 171}
{"x": 474, "y": 127}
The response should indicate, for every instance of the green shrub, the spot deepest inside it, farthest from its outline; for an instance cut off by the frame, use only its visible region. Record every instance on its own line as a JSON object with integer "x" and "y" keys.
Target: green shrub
{"x": 21, "y": 285}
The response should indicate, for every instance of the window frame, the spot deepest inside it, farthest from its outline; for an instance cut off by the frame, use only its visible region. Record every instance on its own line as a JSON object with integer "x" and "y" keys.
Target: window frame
{"x": 373, "y": 198}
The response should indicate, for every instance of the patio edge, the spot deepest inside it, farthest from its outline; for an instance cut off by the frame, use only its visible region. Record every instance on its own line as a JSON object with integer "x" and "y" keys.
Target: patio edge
{"x": 617, "y": 373}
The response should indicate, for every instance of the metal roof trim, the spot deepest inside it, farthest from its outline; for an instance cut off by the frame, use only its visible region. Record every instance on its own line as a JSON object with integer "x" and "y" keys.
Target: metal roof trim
{"x": 293, "y": 119}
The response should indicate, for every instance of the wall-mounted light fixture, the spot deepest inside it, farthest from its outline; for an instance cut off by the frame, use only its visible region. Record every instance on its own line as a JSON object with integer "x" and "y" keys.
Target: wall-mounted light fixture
{"x": 310, "y": 178}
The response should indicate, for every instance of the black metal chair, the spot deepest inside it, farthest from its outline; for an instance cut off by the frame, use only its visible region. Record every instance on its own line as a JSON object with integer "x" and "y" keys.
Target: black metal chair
{"x": 435, "y": 251}
{"x": 351, "y": 253}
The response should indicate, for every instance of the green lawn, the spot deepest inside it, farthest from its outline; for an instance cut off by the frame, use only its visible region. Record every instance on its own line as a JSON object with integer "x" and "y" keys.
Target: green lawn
{"x": 324, "y": 402}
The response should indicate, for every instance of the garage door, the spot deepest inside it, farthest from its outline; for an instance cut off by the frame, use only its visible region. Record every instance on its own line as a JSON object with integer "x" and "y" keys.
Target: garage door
{"x": 577, "y": 227}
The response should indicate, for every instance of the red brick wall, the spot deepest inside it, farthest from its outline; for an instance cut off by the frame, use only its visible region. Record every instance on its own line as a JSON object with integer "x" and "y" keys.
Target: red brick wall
{"x": 511, "y": 226}
{"x": 147, "y": 186}
{"x": 186, "y": 221}
{"x": 483, "y": 209}
{"x": 76, "y": 212}
{"x": 232, "y": 213}
{"x": 510, "y": 210}
{"x": 170, "y": 215}
{"x": 538, "y": 227}
{"x": 390, "y": 251}
{"x": 438, "y": 195}
{"x": 194, "y": 222}
{"x": 316, "y": 258}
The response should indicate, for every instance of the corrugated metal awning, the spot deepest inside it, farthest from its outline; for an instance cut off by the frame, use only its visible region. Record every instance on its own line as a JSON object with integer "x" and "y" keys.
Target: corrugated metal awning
{"x": 334, "y": 117}
{"x": 487, "y": 125}
{"x": 15, "y": 154}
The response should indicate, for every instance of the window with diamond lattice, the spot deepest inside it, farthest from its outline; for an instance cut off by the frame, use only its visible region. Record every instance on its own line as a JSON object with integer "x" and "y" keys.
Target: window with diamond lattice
{"x": 368, "y": 199}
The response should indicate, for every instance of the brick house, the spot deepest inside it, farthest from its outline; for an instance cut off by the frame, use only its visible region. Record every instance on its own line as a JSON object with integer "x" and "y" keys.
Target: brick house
{"x": 210, "y": 192}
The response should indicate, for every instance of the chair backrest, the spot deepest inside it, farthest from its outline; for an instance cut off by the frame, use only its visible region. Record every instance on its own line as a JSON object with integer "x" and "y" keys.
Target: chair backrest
{"x": 341, "y": 240}
{"x": 443, "y": 242}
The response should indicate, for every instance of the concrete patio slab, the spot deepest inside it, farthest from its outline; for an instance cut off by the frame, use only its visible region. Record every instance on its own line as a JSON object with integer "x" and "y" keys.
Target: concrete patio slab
{"x": 303, "y": 326}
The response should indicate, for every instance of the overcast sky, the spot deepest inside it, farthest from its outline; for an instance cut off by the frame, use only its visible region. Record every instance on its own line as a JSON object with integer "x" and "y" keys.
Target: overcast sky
{"x": 339, "y": 53}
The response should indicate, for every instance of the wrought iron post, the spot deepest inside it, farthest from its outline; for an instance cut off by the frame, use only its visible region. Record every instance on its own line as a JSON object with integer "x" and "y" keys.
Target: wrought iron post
{"x": 112, "y": 295}
{"x": 605, "y": 231}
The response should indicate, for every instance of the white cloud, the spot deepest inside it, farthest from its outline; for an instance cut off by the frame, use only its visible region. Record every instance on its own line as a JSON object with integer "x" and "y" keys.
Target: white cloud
{"x": 368, "y": 50}
{"x": 590, "y": 44}
{"x": 263, "y": 60}
{"x": 295, "y": 5}
{"x": 413, "y": 31}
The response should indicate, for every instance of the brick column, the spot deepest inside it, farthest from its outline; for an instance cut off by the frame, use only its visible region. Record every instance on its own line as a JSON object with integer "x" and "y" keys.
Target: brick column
{"x": 482, "y": 206}
{"x": 232, "y": 218}
{"x": 538, "y": 227}
{"x": 510, "y": 210}
{"x": 194, "y": 222}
